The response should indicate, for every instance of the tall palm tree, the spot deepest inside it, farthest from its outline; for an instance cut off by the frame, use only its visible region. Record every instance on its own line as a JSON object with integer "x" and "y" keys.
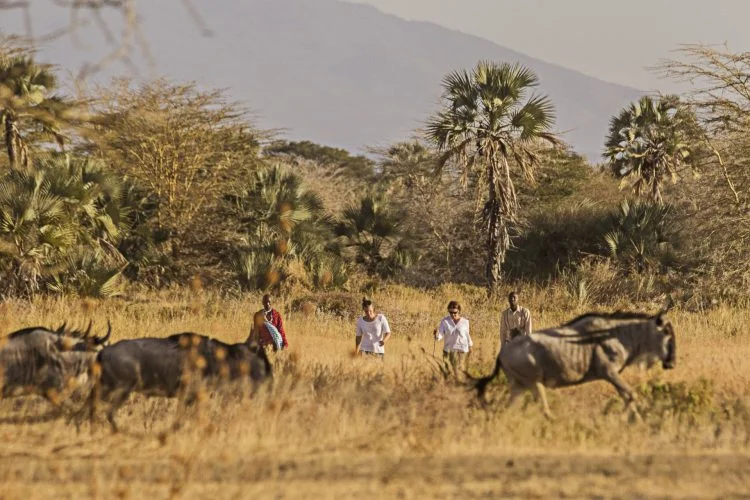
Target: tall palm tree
{"x": 490, "y": 123}
{"x": 24, "y": 93}
{"x": 648, "y": 140}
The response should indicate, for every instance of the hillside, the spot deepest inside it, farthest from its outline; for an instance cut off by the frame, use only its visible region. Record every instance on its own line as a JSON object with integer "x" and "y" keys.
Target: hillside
{"x": 342, "y": 74}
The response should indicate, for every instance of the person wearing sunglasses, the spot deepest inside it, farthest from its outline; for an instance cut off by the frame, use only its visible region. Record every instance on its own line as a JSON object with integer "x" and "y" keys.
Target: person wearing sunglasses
{"x": 457, "y": 343}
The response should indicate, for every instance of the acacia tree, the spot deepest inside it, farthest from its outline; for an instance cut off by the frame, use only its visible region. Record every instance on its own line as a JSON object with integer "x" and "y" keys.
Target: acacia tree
{"x": 408, "y": 177}
{"x": 489, "y": 125}
{"x": 648, "y": 140}
{"x": 720, "y": 94}
{"x": 716, "y": 205}
{"x": 182, "y": 144}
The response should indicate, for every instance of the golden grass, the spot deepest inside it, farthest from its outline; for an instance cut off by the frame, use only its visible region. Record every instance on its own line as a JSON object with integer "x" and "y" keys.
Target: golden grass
{"x": 338, "y": 426}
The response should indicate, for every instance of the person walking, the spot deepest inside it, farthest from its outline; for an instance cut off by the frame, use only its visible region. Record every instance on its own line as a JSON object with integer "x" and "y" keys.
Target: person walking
{"x": 268, "y": 327}
{"x": 457, "y": 343}
{"x": 515, "y": 320}
{"x": 372, "y": 331}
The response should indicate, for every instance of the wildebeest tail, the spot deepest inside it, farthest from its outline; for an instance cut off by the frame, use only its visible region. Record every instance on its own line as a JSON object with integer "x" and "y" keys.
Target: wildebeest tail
{"x": 482, "y": 383}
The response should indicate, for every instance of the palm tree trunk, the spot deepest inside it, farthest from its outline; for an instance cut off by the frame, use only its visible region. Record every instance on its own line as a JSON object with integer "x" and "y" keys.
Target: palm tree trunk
{"x": 656, "y": 192}
{"x": 497, "y": 232}
{"x": 11, "y": 140}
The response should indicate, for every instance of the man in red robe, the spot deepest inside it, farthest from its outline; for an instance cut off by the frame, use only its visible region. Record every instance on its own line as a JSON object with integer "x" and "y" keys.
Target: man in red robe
{"x": 272, "y": 316}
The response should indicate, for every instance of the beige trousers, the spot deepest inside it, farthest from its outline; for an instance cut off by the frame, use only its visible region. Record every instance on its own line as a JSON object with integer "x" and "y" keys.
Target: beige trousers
{"x": 457, "y": 361}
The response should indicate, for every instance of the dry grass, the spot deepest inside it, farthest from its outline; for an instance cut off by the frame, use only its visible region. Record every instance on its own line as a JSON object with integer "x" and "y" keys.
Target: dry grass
{"x": 338, "y": 426}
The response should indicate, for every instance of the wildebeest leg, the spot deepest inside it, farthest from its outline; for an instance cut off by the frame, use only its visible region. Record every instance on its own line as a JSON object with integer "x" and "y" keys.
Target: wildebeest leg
{"x": 187, "y": 397}
{"x": 53, "y": 393}
{"x": 89, "y": 404}
{"x": 626, "y": 393}
{"x": 115, "y": 404}
{"x": 539, "y": 388}
{"x": 515, "y": 391}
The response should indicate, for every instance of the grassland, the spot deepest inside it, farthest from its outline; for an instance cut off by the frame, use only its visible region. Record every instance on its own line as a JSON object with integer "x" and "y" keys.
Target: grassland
{"x": 337, "y": 426}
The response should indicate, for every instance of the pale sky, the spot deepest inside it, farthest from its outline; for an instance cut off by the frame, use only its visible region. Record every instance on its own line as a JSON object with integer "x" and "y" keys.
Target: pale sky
{"x": 614, "y": 40}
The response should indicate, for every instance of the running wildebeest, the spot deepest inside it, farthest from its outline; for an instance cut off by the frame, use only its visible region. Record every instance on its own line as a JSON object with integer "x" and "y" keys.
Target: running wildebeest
{"x": 594, "y": 346}
{"x": 164, "y": 367}
{"x": 44, "y": 362}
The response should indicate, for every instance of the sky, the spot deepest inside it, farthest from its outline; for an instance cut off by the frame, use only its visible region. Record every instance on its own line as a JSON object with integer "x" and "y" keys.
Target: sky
{"x": 614, "y": 40}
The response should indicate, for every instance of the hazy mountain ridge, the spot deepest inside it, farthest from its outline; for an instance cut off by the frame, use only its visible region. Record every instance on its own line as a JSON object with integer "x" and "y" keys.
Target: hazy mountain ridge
{"x": 344, "y": 74}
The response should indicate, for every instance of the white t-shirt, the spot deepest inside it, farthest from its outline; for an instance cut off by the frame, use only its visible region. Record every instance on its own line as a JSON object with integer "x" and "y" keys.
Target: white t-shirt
{"x": 372, "y": 332}
{"x": 456, "y": 335}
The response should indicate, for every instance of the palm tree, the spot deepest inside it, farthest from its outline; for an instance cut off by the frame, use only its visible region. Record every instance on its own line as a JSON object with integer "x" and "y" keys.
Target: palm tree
{"x": 648, "y": 141}
{"x": 24, "y": 89}
{"x": 277, "y": 198}
{"x": 489, "y": 123}
{"x": 91, "y": 194}
{"x": 641, "y": 238}
{"x": 60, "y": 222}
{"x": 33, "y": 227}
{"x": 370, "y": 234}
{"x": 282, "y": 221}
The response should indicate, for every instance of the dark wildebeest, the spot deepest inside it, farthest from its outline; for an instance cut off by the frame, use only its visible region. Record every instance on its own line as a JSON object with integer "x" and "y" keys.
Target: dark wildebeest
{"x": 66, "y": 339}
{"x": 594, "y": 346}
{"x": 165, "y": 367}
{"x": 46, "y": 362}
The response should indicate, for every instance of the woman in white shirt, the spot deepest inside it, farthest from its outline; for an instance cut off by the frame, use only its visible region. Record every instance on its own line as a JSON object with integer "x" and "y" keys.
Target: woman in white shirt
{"x": 372, "y": 331}
{"x": 457, "y": 344}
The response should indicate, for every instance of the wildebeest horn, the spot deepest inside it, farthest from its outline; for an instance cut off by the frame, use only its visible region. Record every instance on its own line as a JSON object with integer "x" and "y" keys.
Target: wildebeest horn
{"x": 102, "y": 340}
{"x": 88, "y": 330}
{"x": 61, "y": 329}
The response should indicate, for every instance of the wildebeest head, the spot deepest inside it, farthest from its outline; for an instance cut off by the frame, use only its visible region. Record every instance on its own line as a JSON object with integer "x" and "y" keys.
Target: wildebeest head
{"x": 69, "y": 339}
{"x": 659, "y": 343}
{"x": 668, "y": 342}
{"x": 77, "y": 340}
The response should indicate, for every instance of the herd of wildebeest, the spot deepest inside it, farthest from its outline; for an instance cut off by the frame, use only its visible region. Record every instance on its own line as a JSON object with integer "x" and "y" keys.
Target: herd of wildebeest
{"x": 67, "y": 366}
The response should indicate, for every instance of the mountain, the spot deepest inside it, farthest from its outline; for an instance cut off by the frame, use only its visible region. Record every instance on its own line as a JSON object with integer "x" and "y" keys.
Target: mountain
{"x": 341, "y": 74}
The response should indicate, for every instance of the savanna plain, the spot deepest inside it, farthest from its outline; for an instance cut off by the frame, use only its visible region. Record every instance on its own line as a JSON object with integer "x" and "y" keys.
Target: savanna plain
{"x": 333, "y": 425}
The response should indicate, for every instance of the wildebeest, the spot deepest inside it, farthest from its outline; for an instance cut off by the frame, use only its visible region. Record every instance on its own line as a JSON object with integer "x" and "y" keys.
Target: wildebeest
{"x": 66, "y": 339}
{"x": 44, "y": 362}
{"x": 594, "y": 346}
{"x": 164, "y": 367}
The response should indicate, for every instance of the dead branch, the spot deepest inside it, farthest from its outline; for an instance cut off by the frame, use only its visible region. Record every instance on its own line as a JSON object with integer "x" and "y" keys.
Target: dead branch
{"x": 123, "y": 43}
